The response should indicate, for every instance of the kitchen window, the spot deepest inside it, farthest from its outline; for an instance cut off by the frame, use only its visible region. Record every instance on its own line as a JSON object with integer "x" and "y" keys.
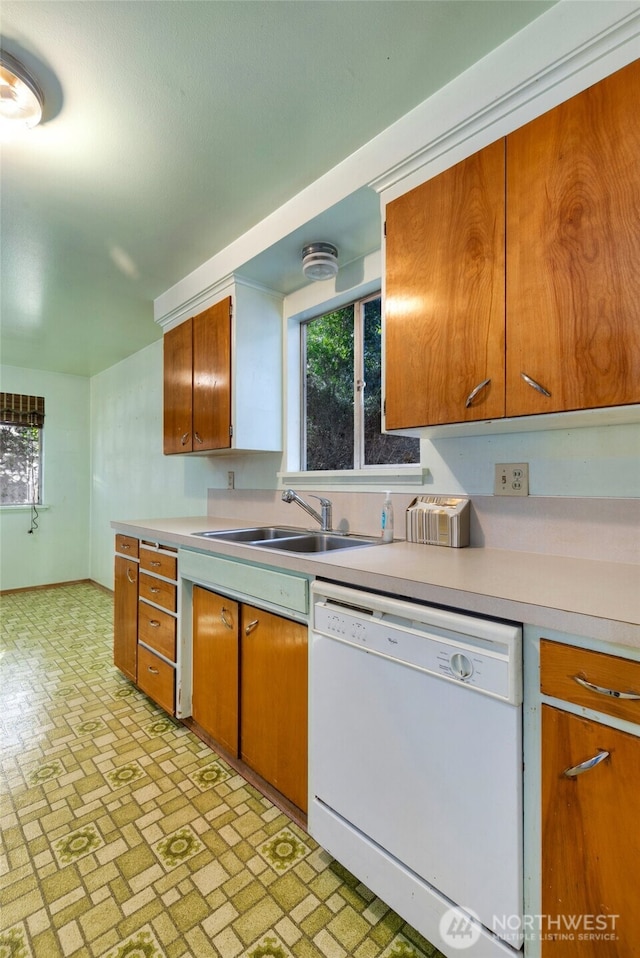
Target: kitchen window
{"x": 21, "y": 430}
{"x": 342, "y": 392}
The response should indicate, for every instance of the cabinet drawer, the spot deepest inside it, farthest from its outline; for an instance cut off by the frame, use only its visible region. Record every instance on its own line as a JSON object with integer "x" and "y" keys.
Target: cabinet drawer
{"x": 158, "y": 562}
{"x": 127, "y": 546}
{"x": 562, "y": 665}
{"x": 157, "y": 679}
{"x": 158, "y": 591}
{"x": 157, "y": 629}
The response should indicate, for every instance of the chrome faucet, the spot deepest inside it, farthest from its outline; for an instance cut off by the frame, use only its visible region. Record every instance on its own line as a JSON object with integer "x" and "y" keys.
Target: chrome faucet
{"x": 289, "y": 495}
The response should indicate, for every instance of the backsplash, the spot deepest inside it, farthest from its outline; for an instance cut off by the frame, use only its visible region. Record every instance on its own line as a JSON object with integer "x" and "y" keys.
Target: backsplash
{"x": 586, "y": 528}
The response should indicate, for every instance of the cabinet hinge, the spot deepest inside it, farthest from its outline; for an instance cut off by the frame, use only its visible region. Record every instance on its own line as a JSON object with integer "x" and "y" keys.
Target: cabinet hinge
{"x": 385, "y": 228}
{"x": 231, "y": 431}
{"x": 384, "y": 408}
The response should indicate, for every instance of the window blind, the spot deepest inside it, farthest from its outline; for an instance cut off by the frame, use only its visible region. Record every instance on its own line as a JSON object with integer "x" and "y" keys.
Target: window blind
{"x": 19, "y": 410}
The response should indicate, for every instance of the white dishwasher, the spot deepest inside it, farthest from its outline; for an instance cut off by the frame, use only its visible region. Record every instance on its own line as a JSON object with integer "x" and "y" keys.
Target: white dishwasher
{"x": 416, "y": 761}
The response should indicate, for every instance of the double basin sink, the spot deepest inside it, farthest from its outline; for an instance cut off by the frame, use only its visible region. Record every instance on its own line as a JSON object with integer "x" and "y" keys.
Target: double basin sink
{"x": 288, "y": 540}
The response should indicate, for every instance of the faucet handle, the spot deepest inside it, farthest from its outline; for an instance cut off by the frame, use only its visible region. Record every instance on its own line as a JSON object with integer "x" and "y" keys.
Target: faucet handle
{"x": 321, "y": 499}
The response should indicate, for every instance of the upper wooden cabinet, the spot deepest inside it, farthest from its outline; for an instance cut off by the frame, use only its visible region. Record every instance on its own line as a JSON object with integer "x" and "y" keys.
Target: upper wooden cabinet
{"x": 444, "y": 302}
{"x": 573, "y": 252}
{"x": 223, "y": 376}
{"x": 513, "y": 279}
{"x": 197, "y": 382}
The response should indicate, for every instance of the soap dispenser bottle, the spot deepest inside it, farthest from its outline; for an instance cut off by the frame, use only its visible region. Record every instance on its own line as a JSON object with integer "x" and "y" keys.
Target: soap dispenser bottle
{"x": 387, "y": 518}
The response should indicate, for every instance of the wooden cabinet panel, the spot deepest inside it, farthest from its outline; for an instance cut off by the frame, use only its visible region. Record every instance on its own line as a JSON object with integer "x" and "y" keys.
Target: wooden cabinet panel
{"x": 561, "y": 665}
{"x": 158, "y": 562}
{"x": 127, "y": 545}
{"x": 125, "y": 616}
{"x": 158, "y": 591}
{"x": 216, "y": 667}
{"x": 591, "y": 839}
{"x": 178, "y": 387}
{"x": 157, "y": 679}
{"x": 444, "y": 301}
{"x": 573, "y": 252}
{"x": 274, "y": 701}
{"x": 212, "y": 377}
{"x": 158, "y": 630}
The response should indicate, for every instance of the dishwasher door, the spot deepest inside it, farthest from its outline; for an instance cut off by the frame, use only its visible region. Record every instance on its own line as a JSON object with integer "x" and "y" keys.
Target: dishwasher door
{"x": 422, "y": 765}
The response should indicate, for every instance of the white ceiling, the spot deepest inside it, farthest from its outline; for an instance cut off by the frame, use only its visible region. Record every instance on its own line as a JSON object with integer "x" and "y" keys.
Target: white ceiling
{"x": 174, "y": 126}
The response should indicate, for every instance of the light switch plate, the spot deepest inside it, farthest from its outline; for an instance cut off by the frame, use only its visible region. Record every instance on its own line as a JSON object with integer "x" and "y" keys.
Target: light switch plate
{"x": 511, "y": 479}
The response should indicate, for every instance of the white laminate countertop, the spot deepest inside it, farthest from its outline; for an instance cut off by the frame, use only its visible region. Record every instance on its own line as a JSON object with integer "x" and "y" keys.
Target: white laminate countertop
{"x": 581, "y": 597}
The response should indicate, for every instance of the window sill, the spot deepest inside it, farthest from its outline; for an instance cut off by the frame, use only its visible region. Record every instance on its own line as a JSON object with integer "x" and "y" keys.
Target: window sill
{"x": 413, "y": 475}
{"x": 22, "y": 507}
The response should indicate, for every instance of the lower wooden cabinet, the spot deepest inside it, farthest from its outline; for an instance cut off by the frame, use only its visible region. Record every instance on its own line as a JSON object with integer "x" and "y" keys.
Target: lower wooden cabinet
{"x": 590, "y": 805}
{"x": 249, "y": 689}
{"x": 273, "y": 701}
{"x": 591, "y": 838}
{"x": 215, "y": 689}
{"x": 125, "y": 616}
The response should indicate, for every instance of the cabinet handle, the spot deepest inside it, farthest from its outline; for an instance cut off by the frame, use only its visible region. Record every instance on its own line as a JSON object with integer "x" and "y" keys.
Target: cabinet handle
{"x": 474, "y": 392}
{"x": 131, "y": 578}
{"x": 223, "y": 616}
{"x": 531, "y": 382}
{"x": 197, "y": 438}
{"x": 634, "y": 696}
{"x": 250, "y": 626}
{"x": 183, "y": 441}
{"x": 154, "y": 623}
{"x": 585, "y": 766}
{"x": 152, "y": 670}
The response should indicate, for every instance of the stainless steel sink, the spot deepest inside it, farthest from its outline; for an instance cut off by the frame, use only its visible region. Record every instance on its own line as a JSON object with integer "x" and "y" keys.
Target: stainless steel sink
{"x": 287, "y": 540}
{"x": 317, "y": 542}
{"x": 252, "y": 535}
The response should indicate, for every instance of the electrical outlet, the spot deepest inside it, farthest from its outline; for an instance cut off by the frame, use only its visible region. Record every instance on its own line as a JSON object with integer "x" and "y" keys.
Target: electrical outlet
{"x": 231, "y": 480}
{"x": 511, "y": 479}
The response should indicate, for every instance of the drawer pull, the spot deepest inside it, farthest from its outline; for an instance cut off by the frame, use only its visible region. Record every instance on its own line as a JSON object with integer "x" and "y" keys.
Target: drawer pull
{"x": 154, "y": 562}
{"x": 153, "y": 671}
{"x": 154, "y": 623}
{"x": 250, "y": 626}
{"x": 633, "y": 696}
{"x": 585, "y": 766}
{"x": 131, "y": 578}
{"x": 531, "y": 382}
{"x": 154, "y": 589}
{"x": 125, "y": 545}
{"x": 474, "y": 392}
{"x": 223, "y": 616}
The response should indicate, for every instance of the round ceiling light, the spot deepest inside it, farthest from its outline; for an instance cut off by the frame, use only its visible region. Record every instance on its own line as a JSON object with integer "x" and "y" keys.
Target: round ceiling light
{"x": 21, "y": 100}
{"x": 319, "y": 261}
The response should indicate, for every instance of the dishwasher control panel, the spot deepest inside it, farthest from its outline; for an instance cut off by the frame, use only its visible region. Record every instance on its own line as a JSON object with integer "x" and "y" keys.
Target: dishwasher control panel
{"x": 489, "y": 662}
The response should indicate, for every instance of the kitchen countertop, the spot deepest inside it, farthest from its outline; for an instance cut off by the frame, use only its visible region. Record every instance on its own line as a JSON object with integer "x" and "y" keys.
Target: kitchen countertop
{"x": 582, "y": 597}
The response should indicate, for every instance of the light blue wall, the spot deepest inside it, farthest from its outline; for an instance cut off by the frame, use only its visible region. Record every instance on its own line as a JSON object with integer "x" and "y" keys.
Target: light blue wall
{"x": 58, "y": 551}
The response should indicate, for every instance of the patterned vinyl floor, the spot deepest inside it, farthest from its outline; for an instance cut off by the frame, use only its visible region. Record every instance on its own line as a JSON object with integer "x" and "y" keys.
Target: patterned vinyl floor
{"x": 125, "y": 837}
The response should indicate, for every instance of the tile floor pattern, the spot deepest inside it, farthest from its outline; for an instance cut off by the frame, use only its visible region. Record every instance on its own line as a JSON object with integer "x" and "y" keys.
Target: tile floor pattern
{"x": 125, "y": 837}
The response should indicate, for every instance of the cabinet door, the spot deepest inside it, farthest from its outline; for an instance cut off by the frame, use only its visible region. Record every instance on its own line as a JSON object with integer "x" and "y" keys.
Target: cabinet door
{"x": 573, "y": 252}
{"x": 212, "y": 377}
{"x": 444, "y": 297}
{"x": 178, "y": 376}
{"x": 274, "y": 701}
{"x": 215, "y": 667}
{"x": 590, "y": 838}
{"x": 125, "y": 616}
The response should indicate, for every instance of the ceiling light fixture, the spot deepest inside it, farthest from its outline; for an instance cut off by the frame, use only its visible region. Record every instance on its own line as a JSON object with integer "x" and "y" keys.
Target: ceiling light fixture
{"x": 319, "y": 261}
{"x": 21, "y": 99}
